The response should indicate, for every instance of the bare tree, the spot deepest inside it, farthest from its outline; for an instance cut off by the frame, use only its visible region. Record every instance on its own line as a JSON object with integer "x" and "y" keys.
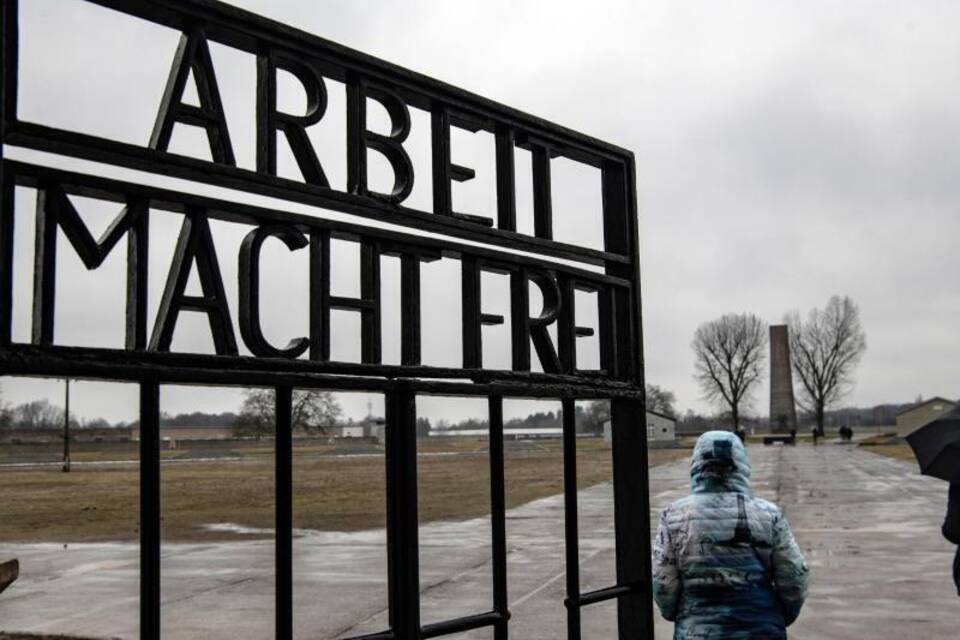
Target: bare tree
{"x": 6, "y": 414}
{"x": 825, "y": 349}
{"x": 596, "y": 413}
{"x": 660, "y": 400}
{"x": 729, "y": 352}
{"x": 311, "y": 410}
{"x": 38, "y": 414}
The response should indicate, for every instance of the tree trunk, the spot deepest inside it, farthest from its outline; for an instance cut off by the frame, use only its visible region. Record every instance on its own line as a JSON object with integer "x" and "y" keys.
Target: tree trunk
{"x": 735, "y": 414}
{"x": 820, "y": 417}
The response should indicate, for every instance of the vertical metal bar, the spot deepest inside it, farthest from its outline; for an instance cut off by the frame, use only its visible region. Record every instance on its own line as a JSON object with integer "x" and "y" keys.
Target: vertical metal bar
{"x": 266, "y": 108}
{"x": 149, "y": 510}
{"x": 615, "y": 208}
{"x": 138, "y": 247}
{"x": 520, "y": 319}
{"x": 8, "y": 113}
{"x": 628, "y": 417}
{"x": 621, "y": 236}
{"x": 7, "y": 207}
{"x": 9, "y": 67}
{"x": 506, "y": 180}
{"x": 283, "y": 477}
{"x": 567, "y": 325}
{"x": 44, "y": 267}
{"x": 498, "y": 517}
{"x": 470, "y": 313}
{"x": 542, "y": 194}
{"x": 370, "y": 336}
{"x": 320, "y": 295}
{"x": 440, "y": 148}
{"x": 356, "y": 128}
{"x": 608, "y": 331}
{"x": 570, "y": 518}
{"x": 632, "y": 516}
{"x": 410, "y": 312}
{"x": 403, "y": 555}
{"x": 66, "y": 425}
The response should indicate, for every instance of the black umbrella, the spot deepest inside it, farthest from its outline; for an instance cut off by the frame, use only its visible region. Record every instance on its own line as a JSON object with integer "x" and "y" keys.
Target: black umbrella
{"x": 937, "y": 447}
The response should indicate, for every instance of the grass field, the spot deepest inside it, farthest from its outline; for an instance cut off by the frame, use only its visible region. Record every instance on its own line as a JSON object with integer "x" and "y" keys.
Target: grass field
{"x": 898, "y": 451}
{"x": 331, "y": 492}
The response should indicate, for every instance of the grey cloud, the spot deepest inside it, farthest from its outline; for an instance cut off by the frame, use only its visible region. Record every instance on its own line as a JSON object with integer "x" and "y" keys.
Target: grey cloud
{"x": 786, "y": 151}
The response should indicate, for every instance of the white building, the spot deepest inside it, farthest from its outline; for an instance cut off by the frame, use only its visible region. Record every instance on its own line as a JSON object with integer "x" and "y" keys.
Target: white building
{"x": 509, "y": 433}
{"x": 660, "y": 428}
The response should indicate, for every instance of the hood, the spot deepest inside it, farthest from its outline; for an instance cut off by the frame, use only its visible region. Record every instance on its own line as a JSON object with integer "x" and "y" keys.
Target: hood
{"x": 719, "y": 464}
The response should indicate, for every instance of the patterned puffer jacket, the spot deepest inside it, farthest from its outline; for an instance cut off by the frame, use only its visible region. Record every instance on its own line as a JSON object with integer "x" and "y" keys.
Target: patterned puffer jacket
{"x": 726, "y": 566}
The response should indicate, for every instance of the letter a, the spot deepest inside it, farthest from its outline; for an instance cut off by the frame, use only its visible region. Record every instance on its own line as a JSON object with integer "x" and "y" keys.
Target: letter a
{"x": 193, "y": 55}
{"x": 195, "y": 244}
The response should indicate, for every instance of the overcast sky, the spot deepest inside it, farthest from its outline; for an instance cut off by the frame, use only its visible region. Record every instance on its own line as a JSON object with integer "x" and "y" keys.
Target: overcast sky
{"x": 787, "y": 151}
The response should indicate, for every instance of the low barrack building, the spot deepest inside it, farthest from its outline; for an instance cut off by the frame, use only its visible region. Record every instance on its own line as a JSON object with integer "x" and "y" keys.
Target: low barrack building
{"x": 660, "y": 428}
{"x": 922, "y": 413}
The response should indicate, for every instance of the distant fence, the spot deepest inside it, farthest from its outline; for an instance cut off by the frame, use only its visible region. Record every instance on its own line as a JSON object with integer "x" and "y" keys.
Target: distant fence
{"x": 77, "y": 434}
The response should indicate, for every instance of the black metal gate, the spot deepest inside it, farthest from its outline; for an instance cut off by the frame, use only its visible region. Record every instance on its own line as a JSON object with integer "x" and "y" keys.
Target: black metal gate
{"x": 148, "y": 361}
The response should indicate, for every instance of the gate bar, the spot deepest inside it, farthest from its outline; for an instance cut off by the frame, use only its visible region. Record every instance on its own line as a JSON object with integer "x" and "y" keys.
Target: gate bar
{"x": 149, "y": 510}
{"x": 283, "y": 532}
{"x": 498, "y": 517}
{"x": 9, "y": 52}
{"x": 6, "y": 257}
{"x": 631, "y": 502}
{"x": 570, "y": 518}
{"x": 403, "y": 554}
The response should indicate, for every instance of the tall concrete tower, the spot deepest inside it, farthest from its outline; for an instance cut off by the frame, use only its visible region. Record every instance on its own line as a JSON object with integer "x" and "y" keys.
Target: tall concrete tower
{"x": 783, "y": 411}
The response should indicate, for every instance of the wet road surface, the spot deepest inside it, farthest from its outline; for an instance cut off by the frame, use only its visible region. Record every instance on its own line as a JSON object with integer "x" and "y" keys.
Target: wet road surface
{"x": 868, "y": 525}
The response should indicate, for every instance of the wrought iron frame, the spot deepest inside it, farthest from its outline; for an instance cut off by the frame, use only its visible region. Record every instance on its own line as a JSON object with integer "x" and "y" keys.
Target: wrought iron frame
{"x": 146, "y": 360}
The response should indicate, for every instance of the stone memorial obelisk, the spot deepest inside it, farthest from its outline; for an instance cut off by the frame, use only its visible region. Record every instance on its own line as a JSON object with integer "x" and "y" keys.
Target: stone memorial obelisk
{"x": 783, "y": 411}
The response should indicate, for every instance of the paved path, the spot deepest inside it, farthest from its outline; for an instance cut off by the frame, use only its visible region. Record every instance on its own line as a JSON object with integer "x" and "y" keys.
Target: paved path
{"x": 869, "y": 526}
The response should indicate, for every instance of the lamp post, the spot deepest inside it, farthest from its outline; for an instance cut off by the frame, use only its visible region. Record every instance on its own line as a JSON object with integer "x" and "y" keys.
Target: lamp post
{"x": 66, "y": 427}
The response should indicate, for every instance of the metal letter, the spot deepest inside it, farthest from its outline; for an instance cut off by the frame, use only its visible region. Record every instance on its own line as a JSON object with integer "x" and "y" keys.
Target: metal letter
{"x": 193, "y": 54}
{"x": 269, "y": 120}
{"x": 359, "y": 139}
{"x": 249, "y": 274}
{"x": 195, "y": 244}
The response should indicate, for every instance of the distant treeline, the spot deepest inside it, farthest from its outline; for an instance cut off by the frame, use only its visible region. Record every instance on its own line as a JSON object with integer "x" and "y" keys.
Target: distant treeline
{"x": 589, "y": 419}
{"x": 199, "y": 419}
{"x": 41, "y": 414}
{"x": 879, "y": 415}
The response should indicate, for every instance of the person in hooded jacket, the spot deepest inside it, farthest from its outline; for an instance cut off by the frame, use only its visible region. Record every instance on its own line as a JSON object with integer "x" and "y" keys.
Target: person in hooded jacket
{"x": 726, "y": 565}
{"x": 951, "y": 528}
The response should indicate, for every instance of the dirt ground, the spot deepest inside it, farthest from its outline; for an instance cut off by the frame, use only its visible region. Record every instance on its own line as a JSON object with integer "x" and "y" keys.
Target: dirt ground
{"x": 331, "y": 492}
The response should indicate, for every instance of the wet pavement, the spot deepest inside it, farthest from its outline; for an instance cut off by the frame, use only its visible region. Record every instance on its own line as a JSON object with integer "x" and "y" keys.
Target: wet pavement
{"x": 869, "y": 526}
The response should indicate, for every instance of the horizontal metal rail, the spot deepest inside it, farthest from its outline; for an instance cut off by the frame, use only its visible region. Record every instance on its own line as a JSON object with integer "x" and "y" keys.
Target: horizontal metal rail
{"x": 381, "y": 635}
{"x": 609, "y": 593}
{"x": 158, "y": 198}
{"x": 459, "y": 625}
{"x": 182, "y": 368}
{"x": 88, "y": 147}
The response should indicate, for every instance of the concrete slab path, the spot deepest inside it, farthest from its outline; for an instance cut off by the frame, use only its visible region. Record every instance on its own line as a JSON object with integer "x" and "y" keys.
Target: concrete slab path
{"x": 869, "y": 526}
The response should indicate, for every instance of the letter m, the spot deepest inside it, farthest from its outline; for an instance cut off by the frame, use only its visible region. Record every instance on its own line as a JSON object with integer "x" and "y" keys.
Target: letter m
{"x": 54, "y": 209}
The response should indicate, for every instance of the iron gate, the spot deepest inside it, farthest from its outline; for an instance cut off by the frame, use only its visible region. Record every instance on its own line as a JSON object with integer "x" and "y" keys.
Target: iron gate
{"x": 148, "y": 360}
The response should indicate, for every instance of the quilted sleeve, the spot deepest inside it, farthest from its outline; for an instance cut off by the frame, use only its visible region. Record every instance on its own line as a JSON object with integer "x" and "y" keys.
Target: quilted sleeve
{"x": 790, "y": 572}
{"x": 666, "y": 574}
